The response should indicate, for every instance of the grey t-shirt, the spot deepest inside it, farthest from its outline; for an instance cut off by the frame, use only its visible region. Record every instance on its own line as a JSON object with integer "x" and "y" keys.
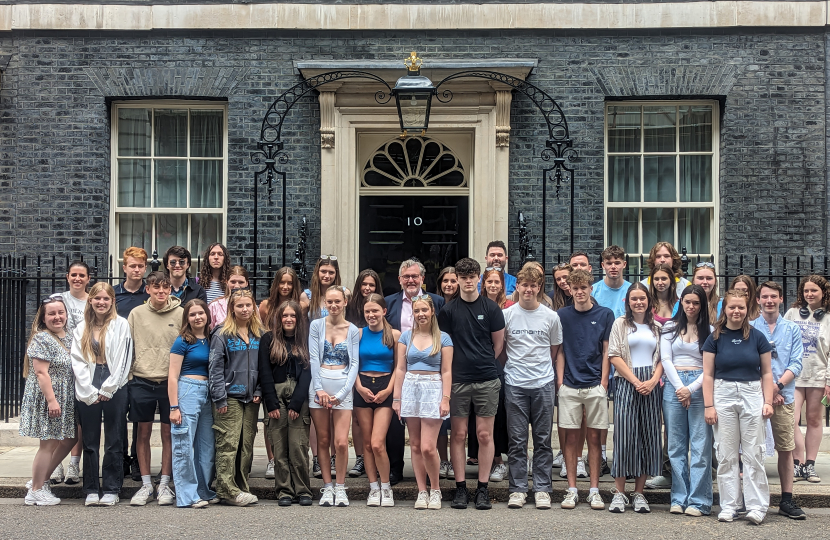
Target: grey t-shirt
{"x": 528, "y": 337}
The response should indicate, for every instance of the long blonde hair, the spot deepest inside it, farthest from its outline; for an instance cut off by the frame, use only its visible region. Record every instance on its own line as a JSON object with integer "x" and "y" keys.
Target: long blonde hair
{"x": 89, "y": 319}
{"x": 230, "y": 326}
{"x": 434, "y": 331}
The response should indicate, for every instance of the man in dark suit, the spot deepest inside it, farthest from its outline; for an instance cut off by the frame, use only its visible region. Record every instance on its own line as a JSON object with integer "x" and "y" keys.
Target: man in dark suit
{"x": 399, "y": 315}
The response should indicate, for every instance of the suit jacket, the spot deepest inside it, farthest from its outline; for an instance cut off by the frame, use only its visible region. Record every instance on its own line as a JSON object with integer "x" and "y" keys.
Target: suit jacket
{"x": 394, "y": 303}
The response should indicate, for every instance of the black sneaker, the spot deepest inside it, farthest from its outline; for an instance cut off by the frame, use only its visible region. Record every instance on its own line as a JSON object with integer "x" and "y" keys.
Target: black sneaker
{"x": 305, "y": 500}
{"x": 284, "y": 501}
{"x": 316, "y": 471}
{"x": 461, "y": 499}
{"x": 483, "y": 499}
{"x": 791, "y": 510}
{"x": 359, "y": 468}
{"x": 135, "y": 471}
{"x": 605, "y": 469}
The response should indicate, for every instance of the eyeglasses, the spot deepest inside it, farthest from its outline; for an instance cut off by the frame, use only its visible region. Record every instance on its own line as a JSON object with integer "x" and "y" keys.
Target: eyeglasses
{"x": 410, "y": 277}
{"x": 497, "y": 268}
{"x": 328, "y": 258}
{"x": 705, "y": 264}
{"x": 56, "y": 297}
{"x": 177, "y": 262}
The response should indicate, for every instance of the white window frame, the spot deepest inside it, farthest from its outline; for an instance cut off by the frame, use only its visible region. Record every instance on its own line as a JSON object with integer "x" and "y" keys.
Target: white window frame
{"x": 115, "y": 211}
{"x": 714, "y": 204}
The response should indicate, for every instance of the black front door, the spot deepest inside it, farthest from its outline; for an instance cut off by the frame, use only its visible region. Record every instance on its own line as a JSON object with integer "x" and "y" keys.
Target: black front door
{"x": 392, "y": 229}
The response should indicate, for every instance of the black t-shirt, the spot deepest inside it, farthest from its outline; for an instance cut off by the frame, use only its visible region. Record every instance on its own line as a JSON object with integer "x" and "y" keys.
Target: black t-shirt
{"x": 583, "y": 334}
{"x": 126, "y": 301}
{"x": 470, "y": 324}
{"x": 736, "y": 358}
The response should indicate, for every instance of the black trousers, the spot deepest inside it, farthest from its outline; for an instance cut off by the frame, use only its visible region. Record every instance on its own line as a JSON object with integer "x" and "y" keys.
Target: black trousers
{"x": 114, "y": 413}
{"x": 395, "y": 443}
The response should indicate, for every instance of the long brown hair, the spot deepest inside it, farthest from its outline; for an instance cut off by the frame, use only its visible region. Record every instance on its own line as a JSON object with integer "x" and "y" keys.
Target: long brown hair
{"x": 89, "y": 319}
{"x": 821, "y": 283}
{"x": 672, "y": 292}
{"x": 187, "y": 332}
{"x": 230, "y": 327}
{"x": 675, "y": 257}
{"x": 354, "y": 309}
{"x": 274, "y": 292}
{"x": 434, "y": 330}
{"x": 712, "y": 296}
{"x": 501, "y": 297}
{"x": 560, "y": 298}
{"x": 39, "y": 325}
{"x": 721, "y": 323}
{"x": 236, "y": 270}
{"x": 279, "y": 352}
{"x": 649, "y": 315}
{"x": 753, "y": 309}
{"x": 317, "y": 292}
{"x": 206, "y": 272}
{"x": 388, "y": 339}
{"x": 440, "y": 291}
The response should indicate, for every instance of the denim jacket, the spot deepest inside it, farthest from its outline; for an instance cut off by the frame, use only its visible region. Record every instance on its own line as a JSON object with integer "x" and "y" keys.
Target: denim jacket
{"x": 787, "y": 351}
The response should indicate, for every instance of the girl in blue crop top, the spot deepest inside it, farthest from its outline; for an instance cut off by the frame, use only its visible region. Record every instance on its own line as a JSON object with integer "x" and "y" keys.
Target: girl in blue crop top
{"x": 373, "y": 395}
{"x": 423, "y": 378}
{"x": 191, "y": 417}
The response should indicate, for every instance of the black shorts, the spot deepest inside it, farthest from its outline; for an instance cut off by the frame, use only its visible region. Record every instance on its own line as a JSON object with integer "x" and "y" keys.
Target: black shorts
{"x": 375, "y": 384}
{"x": 145, "y": 396}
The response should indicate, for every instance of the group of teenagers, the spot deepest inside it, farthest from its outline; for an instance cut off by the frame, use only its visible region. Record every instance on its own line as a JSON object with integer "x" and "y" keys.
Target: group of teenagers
{"x": 693, "y": 378}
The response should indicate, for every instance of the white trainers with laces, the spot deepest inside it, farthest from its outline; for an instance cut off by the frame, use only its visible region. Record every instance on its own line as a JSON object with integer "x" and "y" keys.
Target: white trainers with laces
{"x": 374, "y": 497}
{"x": 142, "y": 496}
{"x": 517, "y": 500}
{"x": 340, "y": 497}
{"x": 563, "y": 472}
{"x": 57, "y": 475}
{"x": 558, "y": 460}
{"x": 422, "y": 502}
{"x": 269, "y": 470}
{"x": 595, "y": 500}
{"x": 498, "y": 472}
{"x": 165, "y": 495}
{"x": 386, "y": 497}
{"x": 618, "y": 503}
{"x": 73, "y": 475}
{"x": 659, "y": 482}
{"x": 92, "y": 500}
{"x": 109, "y": 499}
{"x": 580, "y": 469}
{"x": 41, "y": 497}
{"x": 327, "y": 497}
{"x": 242, "y": 499}
{"x": 640, "y": 503}
{"x": 434, "y": 500}
{"x": 571, "y": 500}
{"x": 726, "y": 515}
{"x": 542, "y": 499}
{"x": 755, "y": 516}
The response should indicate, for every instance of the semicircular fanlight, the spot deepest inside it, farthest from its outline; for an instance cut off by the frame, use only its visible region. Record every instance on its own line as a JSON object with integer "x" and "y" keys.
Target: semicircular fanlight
{"x": 414, "y": 162}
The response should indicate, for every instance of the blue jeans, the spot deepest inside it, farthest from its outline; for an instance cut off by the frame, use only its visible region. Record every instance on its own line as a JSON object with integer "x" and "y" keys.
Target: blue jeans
{"x": 689, "y": 434}
{"x": 193, "y": 444}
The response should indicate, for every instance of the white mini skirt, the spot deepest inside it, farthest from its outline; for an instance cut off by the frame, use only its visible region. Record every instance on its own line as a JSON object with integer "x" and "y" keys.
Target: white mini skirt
{"x": 333, "y": 381}
{"x": 421, "y": 396}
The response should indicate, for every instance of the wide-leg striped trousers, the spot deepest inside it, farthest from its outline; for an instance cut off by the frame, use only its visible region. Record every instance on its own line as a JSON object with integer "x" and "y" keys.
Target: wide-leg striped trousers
{"x": 637, "y": 446}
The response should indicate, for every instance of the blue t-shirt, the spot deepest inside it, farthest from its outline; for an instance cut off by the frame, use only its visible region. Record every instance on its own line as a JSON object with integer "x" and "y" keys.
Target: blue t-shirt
{"x": 736, "y": 358}
{"x": 583, "y": 334}
{"x": 374, "y": 355}
{"x": 195, "y": 356}
{"x": 613, "y": 299}
{"x": 418, "y": 360}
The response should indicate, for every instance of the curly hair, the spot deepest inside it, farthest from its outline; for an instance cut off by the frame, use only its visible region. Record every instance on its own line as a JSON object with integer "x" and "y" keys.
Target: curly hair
{"x": 675, "y": 257}
{"x": 206, "y": 272}
{"x": 821, "y": 283}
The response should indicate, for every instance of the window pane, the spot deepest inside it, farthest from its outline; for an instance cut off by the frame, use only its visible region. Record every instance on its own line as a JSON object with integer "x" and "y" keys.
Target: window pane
{"x": 171, "y": 230}
{"x": 134, "y": 183}
{"x": 205, "y": 230}
{"x": 171, "y": 132}
{"x": 133, "y": 132}
{"x": 623, "y": 129}
{"x": 206, "y": 133}
{"x": 696, "y": 128}
{"x": 696, "y": 178}
{"x": 171, "y": 183}
{"x": 694, "y": 227}
{"x": 658, "y": 226}
{"x": 134, "y": 230}
{"x": 658, "y": 178}
{"x": 624, "y": 178}
{"x": 205, "y": 184}
{"x": 622, "y": 228}
{"x": 659, "y": 126}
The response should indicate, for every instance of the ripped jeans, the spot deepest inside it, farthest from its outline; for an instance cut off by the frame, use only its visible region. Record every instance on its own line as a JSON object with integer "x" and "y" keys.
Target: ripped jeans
{"x": 740, "y": 425}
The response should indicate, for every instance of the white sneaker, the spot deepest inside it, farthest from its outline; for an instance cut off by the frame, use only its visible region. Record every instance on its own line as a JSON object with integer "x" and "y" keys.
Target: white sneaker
{"x": 92, "y": 500}
{"x": 327, "y": 498}
{"x": 563, "y": 472}
{"x": 41, "y": 497}
{"x": 542, "y": 500}
{"x": 165, "y": 495}
{"x": 443, "y": 469}
{"x": 726, "y": 515}
{"x": 340, "y": 497}
{"x": 580, "y": 469}
{"x": 269, "y": 470}
{"x": 641, "y": 504}
{"x": 618, "y": 503}
{"x": 676, "y": 509}
{"x": 571, "y": 499}
{"x": 386, "y": 498}
{"x": 694, "y": 512}
{"x": 498, "y": 472}
{"x": 29, "y": 485}
{"x": 242, "y": 499}
{"x": 422, "y": 502}
{"x": 434, "y": 500}
{"x": 142, "y": 496}
{"x": 517, "y": 500}
{"x": 57, "y": 475}
{"x": 73, "y": 475}
{"x": 450, "y": 470}
{"x": 109, "y": 499}
{"x": 659, "y": 482}
{"x": 374, "y": 497}
{"x": 755, "y": 516}
{"x": 558, "y": 460}
{"x": 595, "y": 500}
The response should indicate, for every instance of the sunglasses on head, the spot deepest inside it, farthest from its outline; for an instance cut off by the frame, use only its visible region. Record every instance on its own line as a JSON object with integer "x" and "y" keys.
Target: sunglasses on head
{"x": 420, "y": 297}
{"x": 56, "y": 297}
{"x": 705, "y": 264}
{"x": 497, "y": 268}
{"x": 328, "y": 257}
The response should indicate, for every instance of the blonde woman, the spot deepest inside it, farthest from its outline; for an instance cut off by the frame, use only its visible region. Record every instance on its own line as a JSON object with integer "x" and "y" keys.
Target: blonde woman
{"x": 704, "y": 275}
{"x": 234, "y": 390}
{"x": 102, "y": 353}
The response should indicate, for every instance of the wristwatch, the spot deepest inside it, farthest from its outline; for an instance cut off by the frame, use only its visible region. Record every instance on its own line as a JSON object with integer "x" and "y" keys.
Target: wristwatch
{"x": 174, "y": 407}
{"x": 780, "y": 386}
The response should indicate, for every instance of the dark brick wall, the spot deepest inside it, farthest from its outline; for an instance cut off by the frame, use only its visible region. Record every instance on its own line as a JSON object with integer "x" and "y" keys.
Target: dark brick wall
{"x": 54, "y": 124}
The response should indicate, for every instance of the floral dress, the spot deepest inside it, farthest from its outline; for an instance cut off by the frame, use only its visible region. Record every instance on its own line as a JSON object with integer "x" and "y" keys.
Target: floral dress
{"x": 34, "y": 411}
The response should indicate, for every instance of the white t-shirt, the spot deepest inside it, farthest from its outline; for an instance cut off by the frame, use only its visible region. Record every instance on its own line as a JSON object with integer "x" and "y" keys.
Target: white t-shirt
{"x": 74, "y": 310}
{"x": 642, "y": 344}
{"x": 528, "y": 337}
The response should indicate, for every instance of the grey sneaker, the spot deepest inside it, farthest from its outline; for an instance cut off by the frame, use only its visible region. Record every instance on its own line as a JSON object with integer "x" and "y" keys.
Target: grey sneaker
{"x": 269, "y": 469}
{"x": 73, "y": 475}
{"x": 618, "y": 503}
{"x": 57, "y": 475}
{"x": 359, "y": 468}
{"x": 810, "y": 473}
{"x": 640, "y": 503}
{"x": 443, "y": 469}
{"x": 316, "y": 471}
{"x": 333, "y": 468}
{"x": 498, "y": 472}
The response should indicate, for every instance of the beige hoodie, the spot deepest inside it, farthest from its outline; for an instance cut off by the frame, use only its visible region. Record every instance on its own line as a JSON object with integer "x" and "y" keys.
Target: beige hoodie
{"x": 154, "y": 332}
